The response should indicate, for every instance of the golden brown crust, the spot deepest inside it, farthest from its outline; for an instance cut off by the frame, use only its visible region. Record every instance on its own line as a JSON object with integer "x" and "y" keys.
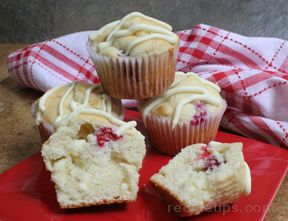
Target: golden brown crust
{"x": 103, "y": 202}
{"x": 178, "y": 207}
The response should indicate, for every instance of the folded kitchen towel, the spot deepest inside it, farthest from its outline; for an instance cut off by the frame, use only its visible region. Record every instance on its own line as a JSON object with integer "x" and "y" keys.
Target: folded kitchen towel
{"x": 252, "y": 73}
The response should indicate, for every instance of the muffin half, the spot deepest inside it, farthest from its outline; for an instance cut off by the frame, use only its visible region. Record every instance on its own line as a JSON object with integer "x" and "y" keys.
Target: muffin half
{"x": 95, "y": 162}
{"x": 202, "y": 177}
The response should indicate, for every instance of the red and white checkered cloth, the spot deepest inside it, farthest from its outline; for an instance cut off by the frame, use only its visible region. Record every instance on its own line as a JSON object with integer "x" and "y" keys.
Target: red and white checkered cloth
{"x": 252, "y": 73}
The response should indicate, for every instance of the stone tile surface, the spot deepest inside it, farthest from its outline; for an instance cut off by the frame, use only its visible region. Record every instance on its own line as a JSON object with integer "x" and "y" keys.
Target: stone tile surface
{"x": 30, "y": 21}
{"x": 18, "y": 132}
{"x": 26, "y": 21}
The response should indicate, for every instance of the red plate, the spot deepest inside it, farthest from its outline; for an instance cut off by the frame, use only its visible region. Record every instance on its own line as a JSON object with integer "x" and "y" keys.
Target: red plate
{"x": 27, "y": 194}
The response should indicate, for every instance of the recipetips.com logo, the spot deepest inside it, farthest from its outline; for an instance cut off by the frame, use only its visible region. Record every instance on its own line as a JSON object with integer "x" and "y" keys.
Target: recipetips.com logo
{"x": 234, "y": 208}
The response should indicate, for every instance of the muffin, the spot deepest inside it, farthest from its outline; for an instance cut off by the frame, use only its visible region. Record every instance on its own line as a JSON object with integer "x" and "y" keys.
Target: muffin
{"x": 95, "y": 161}
{"x": 202, "y": 177}
{"x": 58, "y": 104}
{"x": 135, "y": 57}
{"x": 188, "y": 112}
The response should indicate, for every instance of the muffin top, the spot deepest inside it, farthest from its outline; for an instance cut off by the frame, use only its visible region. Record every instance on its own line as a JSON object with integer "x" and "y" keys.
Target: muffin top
{"x": 103, "y": 135}
{"x": 59, "y": 104}
{"x": 135, "y": 35}
{"x": 189, "y": 98}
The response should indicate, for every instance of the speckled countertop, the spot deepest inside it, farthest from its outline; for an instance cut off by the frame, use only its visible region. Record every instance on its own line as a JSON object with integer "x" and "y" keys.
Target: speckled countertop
{"x": 20, "y": 139}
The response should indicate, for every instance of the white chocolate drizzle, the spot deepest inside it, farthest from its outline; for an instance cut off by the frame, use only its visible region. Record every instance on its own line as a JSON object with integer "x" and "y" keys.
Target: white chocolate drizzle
{"x": 43, "y": 99}
{"x": 122, "y": 124}
{"x": 187, "y": 100}
{"x": 78, "y": 108}
{"x": 63, "y": 99}
{"x": 197, "y": 93}
{"x": 214, "y": 86}
{"x": 159, "y": 31}
{"x": 247, "y": 179}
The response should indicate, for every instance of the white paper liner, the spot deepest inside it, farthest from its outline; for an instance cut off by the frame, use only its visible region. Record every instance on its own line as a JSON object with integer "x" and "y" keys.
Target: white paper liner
{"x": 171, "y": 141}
{"x": 135, "y": 77}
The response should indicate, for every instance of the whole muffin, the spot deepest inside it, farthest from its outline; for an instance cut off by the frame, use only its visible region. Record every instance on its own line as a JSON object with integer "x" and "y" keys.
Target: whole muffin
{"x": 188, "y": 112}
{"x": 135, "y": 57}
{"x": 59, "y": 104}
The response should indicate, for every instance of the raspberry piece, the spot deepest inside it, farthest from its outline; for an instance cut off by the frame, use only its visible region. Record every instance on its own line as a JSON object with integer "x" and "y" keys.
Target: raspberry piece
{"x": 106, "y": 134}
{"x": 211, "y": 163}
{"x": 200, "y": 116}
{"x": 205, "y": 153}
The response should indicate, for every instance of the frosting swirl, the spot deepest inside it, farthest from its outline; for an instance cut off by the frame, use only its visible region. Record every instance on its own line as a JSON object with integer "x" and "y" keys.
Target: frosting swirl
{"x": 62, "y": 103}
{"x": 179, "y": 101}
{"x": 135, "y": 29}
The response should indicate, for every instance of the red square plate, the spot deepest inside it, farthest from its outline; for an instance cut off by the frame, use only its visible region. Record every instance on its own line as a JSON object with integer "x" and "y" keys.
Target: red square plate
{"x": 27, "y": 194}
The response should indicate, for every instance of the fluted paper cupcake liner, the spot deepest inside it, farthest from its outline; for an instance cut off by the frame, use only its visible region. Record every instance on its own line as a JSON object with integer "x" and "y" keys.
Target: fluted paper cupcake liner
{"x": 45, "y": 131}
{"x": 170, "y": 140}
{"x": 135, "y": 77}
